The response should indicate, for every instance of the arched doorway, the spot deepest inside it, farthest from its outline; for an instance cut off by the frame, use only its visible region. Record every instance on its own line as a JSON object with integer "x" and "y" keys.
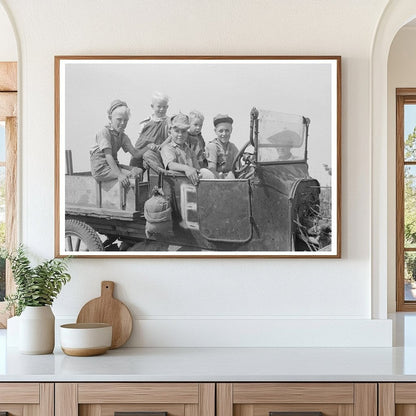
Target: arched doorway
{"x": 396, "y": 15}
{"x": 401, "y": 124}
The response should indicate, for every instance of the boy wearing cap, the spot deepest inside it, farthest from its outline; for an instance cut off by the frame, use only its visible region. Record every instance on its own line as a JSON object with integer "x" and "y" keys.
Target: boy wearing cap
{"x": 109, "y": 140}
{"x": 220, "y": 151}
{"x": 177, "y": 155}
{"x": 153, "y": 130}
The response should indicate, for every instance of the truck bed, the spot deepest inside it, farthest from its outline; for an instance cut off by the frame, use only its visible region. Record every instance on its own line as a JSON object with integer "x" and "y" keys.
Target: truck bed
{"x": 85, "y": 196}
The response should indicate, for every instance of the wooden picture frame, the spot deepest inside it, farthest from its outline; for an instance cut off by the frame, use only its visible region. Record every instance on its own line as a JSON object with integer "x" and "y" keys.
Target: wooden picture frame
{"x": 275, "y": 193}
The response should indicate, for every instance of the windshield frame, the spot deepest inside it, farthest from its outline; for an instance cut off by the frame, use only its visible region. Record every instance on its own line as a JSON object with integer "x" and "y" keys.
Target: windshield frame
{"x": 254, "y": 139}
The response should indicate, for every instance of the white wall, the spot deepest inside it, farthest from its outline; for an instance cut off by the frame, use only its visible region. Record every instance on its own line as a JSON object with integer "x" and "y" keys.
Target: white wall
{"x": 203, "y": 302}
{"x": 8, "y": 46}
{"x": 401, "y": 74}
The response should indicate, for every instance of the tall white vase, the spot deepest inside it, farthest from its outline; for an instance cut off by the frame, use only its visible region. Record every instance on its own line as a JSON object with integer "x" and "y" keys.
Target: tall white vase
{"x": 37, "y": 330}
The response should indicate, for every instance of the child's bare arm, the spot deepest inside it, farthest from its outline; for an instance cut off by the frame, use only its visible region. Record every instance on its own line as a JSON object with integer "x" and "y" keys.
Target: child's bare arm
{"x": 189, "y": 171}
{"x": 138, "y": 153}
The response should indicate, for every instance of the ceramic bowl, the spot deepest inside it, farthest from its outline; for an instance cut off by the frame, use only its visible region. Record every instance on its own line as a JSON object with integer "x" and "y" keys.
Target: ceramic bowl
{"x": 84, "y": 340}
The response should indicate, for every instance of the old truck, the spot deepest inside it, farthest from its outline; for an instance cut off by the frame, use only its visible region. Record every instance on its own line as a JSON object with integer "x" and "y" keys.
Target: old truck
{"x": 272, "y": 205}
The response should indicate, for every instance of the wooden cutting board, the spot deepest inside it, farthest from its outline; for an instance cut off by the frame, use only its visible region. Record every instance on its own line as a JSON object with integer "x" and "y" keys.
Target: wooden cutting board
{"x": 109, "y": 310}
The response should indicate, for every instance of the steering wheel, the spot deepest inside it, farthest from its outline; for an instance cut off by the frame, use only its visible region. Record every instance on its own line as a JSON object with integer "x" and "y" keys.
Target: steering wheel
{"x": 244, "y": 165}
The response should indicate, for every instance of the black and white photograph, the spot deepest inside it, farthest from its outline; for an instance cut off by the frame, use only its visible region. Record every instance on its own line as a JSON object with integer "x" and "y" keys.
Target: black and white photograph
{"x": 197, "y": 156}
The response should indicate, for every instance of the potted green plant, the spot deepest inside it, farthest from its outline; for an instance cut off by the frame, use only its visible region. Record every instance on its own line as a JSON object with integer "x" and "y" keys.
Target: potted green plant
{"x": 36, "y": 289}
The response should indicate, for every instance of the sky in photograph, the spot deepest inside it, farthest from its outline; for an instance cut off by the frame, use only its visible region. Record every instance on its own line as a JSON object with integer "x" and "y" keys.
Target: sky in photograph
{"x": 305, "y": 88}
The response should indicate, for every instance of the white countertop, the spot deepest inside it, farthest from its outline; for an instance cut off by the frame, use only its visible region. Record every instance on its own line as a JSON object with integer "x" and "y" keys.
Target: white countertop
{"x": 215, "y": 364}
{"x": 222, "y": 364}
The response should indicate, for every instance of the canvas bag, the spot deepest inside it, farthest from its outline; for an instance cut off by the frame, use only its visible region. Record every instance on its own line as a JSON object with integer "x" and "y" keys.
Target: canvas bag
{"x": 158, "y": 214}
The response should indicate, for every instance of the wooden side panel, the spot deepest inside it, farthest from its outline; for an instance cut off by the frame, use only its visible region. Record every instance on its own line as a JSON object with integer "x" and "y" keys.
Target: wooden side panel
{"x": 224, "y": 399}
{"x": 365, "y": 395}
{"x": 8, "y": 105}
{"x": 138, "y": 393}
{"x": 207, "y": 399}
{"x": 386, "y": 399}
{"x": 112, "y": 195}
{"x": 8, "y": 76}
{"x": 66, "y": 399}
{"x": 341, "y": 393}
{"x": 80, "y": 190}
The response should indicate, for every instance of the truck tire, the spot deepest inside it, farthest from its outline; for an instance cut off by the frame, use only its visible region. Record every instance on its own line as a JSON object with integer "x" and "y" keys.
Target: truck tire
{"x": 79, "y": 236}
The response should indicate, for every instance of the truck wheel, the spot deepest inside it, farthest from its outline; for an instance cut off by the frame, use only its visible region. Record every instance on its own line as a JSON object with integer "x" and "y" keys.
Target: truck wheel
{"x": 79, "y": 236}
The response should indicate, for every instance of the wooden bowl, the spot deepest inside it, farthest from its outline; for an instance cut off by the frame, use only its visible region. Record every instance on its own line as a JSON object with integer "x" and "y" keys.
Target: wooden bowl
{"x": 84, "y": 340}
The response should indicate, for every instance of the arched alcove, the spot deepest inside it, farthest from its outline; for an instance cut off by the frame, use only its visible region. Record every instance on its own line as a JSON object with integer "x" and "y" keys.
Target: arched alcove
{"x": 397, "y": 14}
{"x": 401, "y": 74}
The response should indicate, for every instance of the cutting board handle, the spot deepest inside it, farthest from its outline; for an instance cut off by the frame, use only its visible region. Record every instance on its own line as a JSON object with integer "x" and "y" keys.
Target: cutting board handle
{"x": 107, "y": 289}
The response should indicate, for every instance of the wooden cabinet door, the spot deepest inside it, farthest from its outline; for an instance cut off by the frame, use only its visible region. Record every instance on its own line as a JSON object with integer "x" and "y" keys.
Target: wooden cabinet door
{"x": 397, "y": 399}
{"x": 143, "y": 399}
{"x": 297, "y": 399}
{"x": 26, "y": 399}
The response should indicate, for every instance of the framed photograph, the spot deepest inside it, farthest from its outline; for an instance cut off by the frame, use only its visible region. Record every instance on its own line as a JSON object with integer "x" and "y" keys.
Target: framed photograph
{"x": 198, "y": 156}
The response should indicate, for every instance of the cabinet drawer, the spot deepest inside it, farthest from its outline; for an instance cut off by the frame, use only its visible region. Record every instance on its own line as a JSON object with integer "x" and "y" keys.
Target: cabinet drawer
{"x": 138, "y": 393}
{"x": 148, "y": 399}
{"x": 21, "y": 399}
{"x": 309, "y": 399}
{"x": 397, "y": 399}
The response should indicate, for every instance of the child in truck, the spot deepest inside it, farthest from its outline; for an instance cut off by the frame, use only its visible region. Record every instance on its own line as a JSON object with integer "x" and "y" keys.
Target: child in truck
{"x": 153, "y": 130}
{"x": 178, "y": 156}
{"x": 220, "y": 151}
{"x": 195, "y": 140}
{"x": 109, "y": 140}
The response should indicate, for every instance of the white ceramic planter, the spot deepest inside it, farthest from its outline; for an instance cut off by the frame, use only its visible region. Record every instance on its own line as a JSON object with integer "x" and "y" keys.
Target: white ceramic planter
{"x": 37, "y": 330}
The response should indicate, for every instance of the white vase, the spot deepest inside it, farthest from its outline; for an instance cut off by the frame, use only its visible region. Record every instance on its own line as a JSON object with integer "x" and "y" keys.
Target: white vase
{"x": 37, "y": 330}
